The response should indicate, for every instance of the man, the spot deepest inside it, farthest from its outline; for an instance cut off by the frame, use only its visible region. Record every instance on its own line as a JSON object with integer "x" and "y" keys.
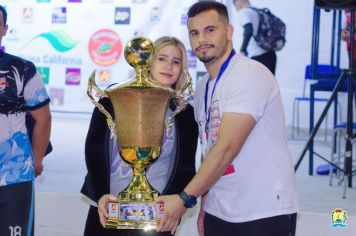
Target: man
{"x": 345, "y": 35}
{"x": 248, "y": 18}
{"x": 246, "y": 178}
{"x": 21, "y": 90}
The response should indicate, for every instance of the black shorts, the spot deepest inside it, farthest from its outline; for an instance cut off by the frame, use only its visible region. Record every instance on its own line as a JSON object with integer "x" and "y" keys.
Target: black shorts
{"x": 269, "y": 59}
{"x": 283, "y": 225}
{"x": 17, "y": 209}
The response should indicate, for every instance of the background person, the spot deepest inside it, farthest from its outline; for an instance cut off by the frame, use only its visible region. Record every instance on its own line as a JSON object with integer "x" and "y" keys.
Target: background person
{"x": 248, "y": 18}
{"x": 21, "y": 91}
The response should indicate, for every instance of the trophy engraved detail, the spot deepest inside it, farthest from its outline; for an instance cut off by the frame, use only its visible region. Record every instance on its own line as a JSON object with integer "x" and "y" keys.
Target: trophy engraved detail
{"x": 140, "y": 108}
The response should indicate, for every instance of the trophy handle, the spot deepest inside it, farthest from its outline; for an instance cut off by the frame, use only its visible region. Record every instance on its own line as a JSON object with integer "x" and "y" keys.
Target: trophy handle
{"x": 100, "y": 94}
{"x": 180, "y": 94}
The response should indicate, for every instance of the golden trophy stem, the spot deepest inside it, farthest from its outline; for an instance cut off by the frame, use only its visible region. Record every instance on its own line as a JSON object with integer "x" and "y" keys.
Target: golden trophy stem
{"x": 139, "y": 189}
{"x": 141, "y": 77}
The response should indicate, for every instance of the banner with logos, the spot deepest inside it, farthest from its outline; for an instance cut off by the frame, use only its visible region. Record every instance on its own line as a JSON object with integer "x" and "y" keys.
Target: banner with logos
{"x": 68, "y": 39}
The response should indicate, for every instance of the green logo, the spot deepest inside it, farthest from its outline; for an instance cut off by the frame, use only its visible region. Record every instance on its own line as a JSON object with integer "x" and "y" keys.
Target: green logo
{"x": 59, "y": 40}
{"x": 44, "y": 72}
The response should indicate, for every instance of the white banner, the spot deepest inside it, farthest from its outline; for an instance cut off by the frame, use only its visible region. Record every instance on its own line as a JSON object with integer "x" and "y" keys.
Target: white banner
{"x": 68, "y": 39}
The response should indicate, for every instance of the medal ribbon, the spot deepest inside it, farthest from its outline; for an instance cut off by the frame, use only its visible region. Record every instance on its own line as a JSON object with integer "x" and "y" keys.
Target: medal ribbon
{"x": 221, "y": 71}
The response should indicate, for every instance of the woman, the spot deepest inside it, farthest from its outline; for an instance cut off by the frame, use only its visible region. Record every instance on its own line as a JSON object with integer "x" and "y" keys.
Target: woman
{"x": 108, "y": 173}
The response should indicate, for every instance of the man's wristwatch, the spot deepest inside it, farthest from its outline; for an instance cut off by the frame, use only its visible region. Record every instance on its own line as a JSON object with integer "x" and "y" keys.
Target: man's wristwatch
{"x": 189, "y": 201}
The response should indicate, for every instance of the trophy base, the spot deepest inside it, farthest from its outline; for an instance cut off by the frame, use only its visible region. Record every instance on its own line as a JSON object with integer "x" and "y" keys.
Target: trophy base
{"x": 134, "y": 215}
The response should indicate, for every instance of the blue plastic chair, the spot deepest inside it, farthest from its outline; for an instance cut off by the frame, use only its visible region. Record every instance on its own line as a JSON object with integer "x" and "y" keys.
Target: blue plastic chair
{"x": 322, "y": 72}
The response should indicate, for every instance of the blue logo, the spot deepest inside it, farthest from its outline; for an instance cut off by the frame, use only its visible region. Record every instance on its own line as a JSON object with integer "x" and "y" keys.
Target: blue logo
{"x": 122, "y": 15}
{"x": 155, "y": 15}
{"x": 184, "y": 19}
{"x": 59, "y": 15}
{"x": 192, "y": 59}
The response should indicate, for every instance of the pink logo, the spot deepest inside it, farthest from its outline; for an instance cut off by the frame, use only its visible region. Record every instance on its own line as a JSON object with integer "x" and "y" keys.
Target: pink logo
{"x": 105, "y": 47}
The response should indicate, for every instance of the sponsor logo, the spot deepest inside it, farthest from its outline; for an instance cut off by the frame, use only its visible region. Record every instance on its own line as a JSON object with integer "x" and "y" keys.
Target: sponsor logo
{"x": 59, "y": 40}
{"x": 57, "y": 96}
{"x": 44, "y": 72}
{"x": 139, "y": 1}
{"x": 155, "y": 15}
{"x": 122, "y": 15}
{"x": 184, "y": 19}
{"x": 184, "y": 16}
{"x": 27, "y": 13}
{"x": 104, "y": 77}
{"x": 192, "y": 59}
{"x": 113, "y": 210}
{"x": 105, "y": 47}
{"x": 72, "y": 76}
{"x": 59, "y": 15}
{"x": 338, "y": 218}
{"x": 12, "y": 35}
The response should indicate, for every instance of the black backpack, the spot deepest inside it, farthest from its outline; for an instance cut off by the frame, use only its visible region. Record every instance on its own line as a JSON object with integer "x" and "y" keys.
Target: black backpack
{"x": 271, "y": 33}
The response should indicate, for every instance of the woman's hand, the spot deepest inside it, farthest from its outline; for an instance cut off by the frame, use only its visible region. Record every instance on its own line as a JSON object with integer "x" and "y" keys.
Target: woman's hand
{"x": 201, "y": 216}
{"x": 103, "y": 207}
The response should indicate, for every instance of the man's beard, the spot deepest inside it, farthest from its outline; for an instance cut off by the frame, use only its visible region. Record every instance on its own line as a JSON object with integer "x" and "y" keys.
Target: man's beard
{"x": 206, "y": 59}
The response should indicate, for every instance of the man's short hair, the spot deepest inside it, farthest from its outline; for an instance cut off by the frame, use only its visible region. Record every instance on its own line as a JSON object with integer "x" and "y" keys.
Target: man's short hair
{"x": 204, "y": 6}
{"x": 4, "y": 14}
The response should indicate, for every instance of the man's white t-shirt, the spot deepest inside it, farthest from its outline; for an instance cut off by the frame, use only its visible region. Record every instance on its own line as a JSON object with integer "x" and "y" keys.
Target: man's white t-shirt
{"x": 245, "y": 16}
{"x": 262, "y": 183}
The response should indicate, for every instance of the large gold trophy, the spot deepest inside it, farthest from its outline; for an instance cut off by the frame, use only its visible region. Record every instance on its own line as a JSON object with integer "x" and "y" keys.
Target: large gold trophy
{"x": 140, "y": 117}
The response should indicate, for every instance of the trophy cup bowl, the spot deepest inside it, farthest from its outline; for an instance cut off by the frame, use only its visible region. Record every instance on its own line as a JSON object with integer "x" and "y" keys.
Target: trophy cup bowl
{"x": 140, "y": 109}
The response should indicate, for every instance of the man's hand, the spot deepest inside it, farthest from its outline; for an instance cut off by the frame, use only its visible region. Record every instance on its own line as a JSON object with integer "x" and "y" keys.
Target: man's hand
{"x": 200, "y": 222}
{"x": 103, "y": 207}
{"x": 201, "y": 216}
{"x": 38, "y": 167}
{"x": 173, "y": 211}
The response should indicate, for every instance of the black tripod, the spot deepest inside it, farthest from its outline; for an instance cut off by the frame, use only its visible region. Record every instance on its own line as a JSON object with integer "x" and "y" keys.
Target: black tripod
{"x": 349, "y": 76}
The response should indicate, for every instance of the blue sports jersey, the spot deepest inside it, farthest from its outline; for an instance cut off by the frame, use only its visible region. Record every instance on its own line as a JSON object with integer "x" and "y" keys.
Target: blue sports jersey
{"x": 21, "y": 90}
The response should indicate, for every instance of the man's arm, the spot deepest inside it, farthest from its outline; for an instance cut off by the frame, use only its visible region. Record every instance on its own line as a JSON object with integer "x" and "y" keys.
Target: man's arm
{"x": 40, "y": 135}
{"x": 248, "y": 32}
{"x": 234, "y": 130}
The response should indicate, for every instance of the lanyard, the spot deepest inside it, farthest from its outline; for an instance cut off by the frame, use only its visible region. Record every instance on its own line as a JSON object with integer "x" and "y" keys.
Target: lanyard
{"x": 221, "y": 71}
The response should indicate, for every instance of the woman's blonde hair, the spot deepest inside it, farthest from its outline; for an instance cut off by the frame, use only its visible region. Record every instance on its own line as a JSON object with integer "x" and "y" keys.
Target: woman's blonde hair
{"x": 166, "y": 41}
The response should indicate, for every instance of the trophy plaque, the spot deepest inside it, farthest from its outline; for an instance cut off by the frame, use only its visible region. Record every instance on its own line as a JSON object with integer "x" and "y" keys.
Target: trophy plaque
{"x": 140, "y": 118}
